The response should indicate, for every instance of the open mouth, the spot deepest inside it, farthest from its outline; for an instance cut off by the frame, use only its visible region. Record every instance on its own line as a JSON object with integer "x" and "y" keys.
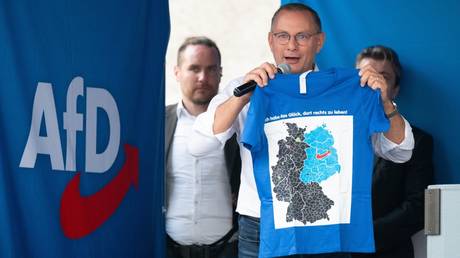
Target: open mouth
{"x": 291, "y": 60}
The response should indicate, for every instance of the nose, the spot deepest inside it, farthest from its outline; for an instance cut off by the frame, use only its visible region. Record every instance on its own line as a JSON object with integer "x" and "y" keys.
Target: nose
{"x": 202, "y": 75}
{"x": 292, "y": 43}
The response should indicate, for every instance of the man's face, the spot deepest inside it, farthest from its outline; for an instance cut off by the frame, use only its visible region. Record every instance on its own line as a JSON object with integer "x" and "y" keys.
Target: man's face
{"x": 301, "y": 58}
{"x": 386, "y": 70}
{"x": 198, "y": 74}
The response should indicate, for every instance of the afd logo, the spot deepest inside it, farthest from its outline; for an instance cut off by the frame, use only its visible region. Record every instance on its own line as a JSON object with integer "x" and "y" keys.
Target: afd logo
{"x": 81, "y": 215}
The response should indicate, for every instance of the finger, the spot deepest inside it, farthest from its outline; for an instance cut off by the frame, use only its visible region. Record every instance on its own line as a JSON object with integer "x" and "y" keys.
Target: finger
{"x": 366, "y": 68}
{"x": 378, "y": 83}
{"x": 365, "y": 75}
{"x": 365, "y": 72}
{"x": 369, "y": 75}
{"x": 253, "y": 76}
{"x": 374, "y": 82}
{"x": 377, "y": 79}
{"x": 270, "y": 69}
{"x": 263, "y": 75}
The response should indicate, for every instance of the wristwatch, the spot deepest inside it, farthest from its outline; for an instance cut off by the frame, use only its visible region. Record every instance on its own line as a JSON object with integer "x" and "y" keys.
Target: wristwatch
{"x": 394, "y": 112}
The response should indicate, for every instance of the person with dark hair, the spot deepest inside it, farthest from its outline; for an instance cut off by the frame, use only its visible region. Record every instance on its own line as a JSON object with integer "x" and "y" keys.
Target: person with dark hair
{"x": 295, "y": 38}
{"x": 397, "y": 188}
{"x": 199, "y": 203}
{"x": 384, "y": 58}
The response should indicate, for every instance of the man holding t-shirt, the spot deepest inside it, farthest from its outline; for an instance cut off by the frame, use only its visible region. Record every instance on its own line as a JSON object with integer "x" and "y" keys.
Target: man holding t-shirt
{"x": 295, "y": 38}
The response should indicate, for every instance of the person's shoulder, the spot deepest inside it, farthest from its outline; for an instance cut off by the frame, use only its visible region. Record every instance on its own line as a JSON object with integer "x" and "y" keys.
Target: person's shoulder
{"x": 170, "y": 108}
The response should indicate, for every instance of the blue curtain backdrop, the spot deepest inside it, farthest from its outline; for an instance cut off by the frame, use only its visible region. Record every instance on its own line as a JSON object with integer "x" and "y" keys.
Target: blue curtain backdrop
{"x": 426, "y": 36}
{"x": 115, "y": 52}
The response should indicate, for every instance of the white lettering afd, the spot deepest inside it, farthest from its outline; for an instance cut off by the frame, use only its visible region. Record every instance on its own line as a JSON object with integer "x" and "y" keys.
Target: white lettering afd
{"x": 44, "y": 108}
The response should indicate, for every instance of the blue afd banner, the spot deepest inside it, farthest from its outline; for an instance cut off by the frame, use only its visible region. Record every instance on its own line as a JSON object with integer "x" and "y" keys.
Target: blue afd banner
{"x": 81, "y": 128}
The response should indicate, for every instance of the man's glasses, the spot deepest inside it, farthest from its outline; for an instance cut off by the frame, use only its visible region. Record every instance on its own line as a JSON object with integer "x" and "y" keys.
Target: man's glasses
{"x": 302, "y": 38}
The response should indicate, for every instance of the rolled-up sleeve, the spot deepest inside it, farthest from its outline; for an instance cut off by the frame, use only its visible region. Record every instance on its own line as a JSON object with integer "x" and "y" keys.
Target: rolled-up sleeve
{"x": 398, "y": 153}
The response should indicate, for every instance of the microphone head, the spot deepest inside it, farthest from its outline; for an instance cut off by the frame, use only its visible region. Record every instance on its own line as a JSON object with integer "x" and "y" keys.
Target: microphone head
{"x": 284, "y": 68}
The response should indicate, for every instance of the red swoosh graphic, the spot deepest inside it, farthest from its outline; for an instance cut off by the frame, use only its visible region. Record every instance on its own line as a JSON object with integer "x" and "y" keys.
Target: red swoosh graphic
{"x": 81, "y": 215}
{"x": 320, "y": 156}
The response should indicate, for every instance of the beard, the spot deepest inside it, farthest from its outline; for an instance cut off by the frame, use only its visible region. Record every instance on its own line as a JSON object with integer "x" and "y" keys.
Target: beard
{"x": 203, "y": 97}
{"x": 201, "y": 101}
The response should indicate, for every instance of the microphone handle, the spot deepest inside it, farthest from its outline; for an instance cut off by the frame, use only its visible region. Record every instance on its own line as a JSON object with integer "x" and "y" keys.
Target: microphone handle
{"x": 250, "y": 85}
{"x": 245, "y": 88}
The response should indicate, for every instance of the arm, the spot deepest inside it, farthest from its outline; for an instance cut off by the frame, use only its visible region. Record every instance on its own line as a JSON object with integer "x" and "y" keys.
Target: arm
{"x": 397, "y": 143}
{"x": 227, "y": 112}
{"x": 375, "y": 80}
{"x": 202, "y": 139}
{"x": 402, "y": 222}
{"x": 223, "y": 117}
{"x": 389, "y": 150}
{"x": 397, "y": 125}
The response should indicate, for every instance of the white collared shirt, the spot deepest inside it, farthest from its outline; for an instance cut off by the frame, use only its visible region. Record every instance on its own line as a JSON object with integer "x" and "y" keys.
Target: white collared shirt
{"x": 248, "y": 198}
{"x": 199, "y": 203}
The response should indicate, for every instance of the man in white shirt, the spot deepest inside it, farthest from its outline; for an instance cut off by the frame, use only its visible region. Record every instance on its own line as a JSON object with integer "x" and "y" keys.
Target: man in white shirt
{"x": 295, "y": 38}
{"x": 199, "y": 203}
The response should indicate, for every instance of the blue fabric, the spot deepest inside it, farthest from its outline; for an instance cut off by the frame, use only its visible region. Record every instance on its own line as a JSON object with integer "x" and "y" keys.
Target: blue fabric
{"x": 353, "y": 25}
{"x": 248, "y": 241}
{"x": 314, "y": 202}
{"x": 248, "y": 237}
{"x": 112, "y": 52}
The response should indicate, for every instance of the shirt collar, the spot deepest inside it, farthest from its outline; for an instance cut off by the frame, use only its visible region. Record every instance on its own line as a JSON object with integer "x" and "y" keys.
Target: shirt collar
{"x": 181, "y": 110}
{"x": 316, "y": 68}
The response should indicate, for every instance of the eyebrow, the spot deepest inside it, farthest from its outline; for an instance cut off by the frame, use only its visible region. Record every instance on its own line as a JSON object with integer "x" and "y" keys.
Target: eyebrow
{"x": 283, "y": 31}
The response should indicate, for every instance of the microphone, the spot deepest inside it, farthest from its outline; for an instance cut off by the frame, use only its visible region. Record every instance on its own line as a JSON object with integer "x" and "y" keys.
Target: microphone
{"x": 251, "y": 85}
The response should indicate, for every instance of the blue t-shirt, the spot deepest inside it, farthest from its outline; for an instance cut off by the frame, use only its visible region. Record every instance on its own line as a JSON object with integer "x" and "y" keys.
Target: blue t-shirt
{"x": 312, "y": 156}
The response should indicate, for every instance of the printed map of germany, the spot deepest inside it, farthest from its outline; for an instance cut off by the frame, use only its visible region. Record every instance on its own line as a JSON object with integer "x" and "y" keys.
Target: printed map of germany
{"x": 304, "y": 161}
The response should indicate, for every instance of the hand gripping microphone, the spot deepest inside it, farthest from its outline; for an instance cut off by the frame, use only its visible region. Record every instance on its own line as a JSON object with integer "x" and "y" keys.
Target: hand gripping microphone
{"x": 251, "y": 85}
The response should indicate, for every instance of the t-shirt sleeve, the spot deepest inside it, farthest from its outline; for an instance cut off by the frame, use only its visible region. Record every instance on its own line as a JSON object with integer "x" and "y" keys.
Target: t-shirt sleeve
{"x": 253, "y": 127}
{"x": 378, "y": 121}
